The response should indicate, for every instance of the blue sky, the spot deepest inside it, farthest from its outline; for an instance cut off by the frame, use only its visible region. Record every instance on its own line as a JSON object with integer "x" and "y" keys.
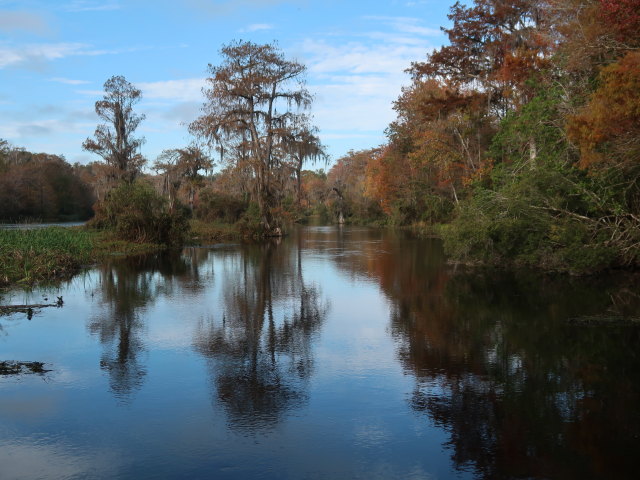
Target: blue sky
{"x": 55, "y": 55}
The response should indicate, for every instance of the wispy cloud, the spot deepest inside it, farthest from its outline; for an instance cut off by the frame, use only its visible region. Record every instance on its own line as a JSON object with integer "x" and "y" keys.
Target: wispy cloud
{"x": 19, "y": 131}
{"x": 418, "y": 3}
{"x": 357, "y": 78}
{"x": 407, "y": 25}
{"x": 91, "y": 6}
{"x": 14, "y": 21}
{"x": 35, "y": 55}
{"x": 69, "y": 81}
{"x": 257, "y": 27}
{"x": 356, "y": 103}
{"x": 217, "y": 7}
{"x": 360, "y": 57}
{"x": 185, "y": 90}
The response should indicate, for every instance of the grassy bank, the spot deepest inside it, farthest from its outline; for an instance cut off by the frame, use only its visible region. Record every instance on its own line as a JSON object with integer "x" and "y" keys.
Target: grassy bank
{"x": 45, "y": 254}
{"x": 34, "y": 256}
{"x": 30, "y": 256}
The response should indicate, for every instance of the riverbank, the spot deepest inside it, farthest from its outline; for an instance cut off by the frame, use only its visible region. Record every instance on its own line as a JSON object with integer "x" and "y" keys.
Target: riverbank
{"x": 33, "y": 256}
{"x": 29, "y": 257}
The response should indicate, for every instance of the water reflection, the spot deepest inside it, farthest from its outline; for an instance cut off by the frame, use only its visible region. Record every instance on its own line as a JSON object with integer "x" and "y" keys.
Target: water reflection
{"x": 259, "y": 348}
{"x": 125, "y": 288}
{"x": 521, "y": 390}
{"x": 228, "y": 363}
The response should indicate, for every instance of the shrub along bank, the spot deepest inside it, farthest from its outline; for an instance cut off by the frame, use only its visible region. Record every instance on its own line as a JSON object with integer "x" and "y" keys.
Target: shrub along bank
{"x": 132, "y": 219}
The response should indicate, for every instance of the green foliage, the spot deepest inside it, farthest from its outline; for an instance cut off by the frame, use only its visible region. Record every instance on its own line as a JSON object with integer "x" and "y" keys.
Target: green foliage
{"x": 207, "y": 233}
{"x": 427, "y": 208}
{"x": 537, "y": 125}
{"x": 215, "y": 206}
{"x": 136, "y": 213}
{"x": 536, "y": 208}
{"x": 322, "y": 212}
{"x": 535, "y": 218}
{"x": 29, "y": 256}
{"x": 250, "y": 224}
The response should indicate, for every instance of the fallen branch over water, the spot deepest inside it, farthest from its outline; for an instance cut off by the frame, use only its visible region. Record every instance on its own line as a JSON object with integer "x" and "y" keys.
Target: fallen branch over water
{"x": 26, "y": 308}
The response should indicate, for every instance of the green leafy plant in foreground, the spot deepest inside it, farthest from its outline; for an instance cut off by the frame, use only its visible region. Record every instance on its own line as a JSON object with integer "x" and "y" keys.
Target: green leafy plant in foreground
{"x": 29, "y": 256}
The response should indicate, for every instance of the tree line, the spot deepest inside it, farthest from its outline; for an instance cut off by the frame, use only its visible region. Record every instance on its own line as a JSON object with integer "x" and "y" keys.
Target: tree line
{"x": 41, "y": 186}
{"x": 520, "y": 138}
{"x": 518, "y": 142}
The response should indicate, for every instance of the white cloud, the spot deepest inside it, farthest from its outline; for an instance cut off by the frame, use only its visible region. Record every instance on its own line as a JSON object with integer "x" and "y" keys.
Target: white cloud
{"x": 356, "y": 82}
{"x": 29, "y": 53}
{"x": 91, "y": 93}
{"x": 356, "y": 105}
{"x": 39, "y": 128}
{"x": 349, "y": 136}
{"x": 361, "y": 58}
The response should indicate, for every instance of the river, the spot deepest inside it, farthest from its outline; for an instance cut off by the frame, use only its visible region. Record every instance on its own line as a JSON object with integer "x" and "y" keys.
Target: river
{"x": 332, "y": 353}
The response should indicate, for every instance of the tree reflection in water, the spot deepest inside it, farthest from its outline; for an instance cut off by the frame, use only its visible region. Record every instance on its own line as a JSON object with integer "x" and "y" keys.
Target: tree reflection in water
{"x": 126, "y": 287}
{"x": 259, "y": 352}
{"x": 522, "y": 391}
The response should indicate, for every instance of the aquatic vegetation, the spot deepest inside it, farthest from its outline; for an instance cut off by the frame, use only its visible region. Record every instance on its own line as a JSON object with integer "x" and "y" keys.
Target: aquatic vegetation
{"x": 32, "y": 256}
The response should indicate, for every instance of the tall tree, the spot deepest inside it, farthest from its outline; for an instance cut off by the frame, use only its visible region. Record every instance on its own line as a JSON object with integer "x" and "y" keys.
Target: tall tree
{"x": 495, "y": 46}
{"x": 254, "y": 100}
{"x": 114, "y": 140}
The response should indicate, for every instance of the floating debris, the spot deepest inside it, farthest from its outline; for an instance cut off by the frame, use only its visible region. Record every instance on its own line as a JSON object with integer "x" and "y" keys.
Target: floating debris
{"x": 19, "y": 368}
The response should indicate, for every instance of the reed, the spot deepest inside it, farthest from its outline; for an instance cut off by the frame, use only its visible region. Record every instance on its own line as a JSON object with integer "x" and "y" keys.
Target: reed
{"x": 33, "y": 256}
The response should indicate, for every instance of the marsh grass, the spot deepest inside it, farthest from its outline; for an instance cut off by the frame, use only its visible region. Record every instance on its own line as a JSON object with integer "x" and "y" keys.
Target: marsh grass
{"x": 203, "y": 233}
{"x": 107, "y": 244}
{"x": 30, "y": 256}
{"x": 37, "y": 255}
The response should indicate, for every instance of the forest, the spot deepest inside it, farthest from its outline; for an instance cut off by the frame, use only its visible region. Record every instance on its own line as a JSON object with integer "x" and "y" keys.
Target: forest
{"x": 517, "y": 143}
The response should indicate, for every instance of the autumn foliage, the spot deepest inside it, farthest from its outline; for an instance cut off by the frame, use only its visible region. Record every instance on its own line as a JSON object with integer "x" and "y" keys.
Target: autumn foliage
{"x": 624, "y": 18}
{"x": 41, "y": 187}
{"x": 521, "y": 135}
{"x": 607, "y": 128}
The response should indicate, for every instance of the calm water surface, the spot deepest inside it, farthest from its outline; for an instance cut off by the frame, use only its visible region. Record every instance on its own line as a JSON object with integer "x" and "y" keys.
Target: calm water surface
{"x": 36, "y": 226}
{"x": 334, "y": 353}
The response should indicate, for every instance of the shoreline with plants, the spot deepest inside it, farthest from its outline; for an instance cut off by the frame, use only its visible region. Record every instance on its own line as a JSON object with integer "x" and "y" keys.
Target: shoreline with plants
{"x": 45, "y": 255}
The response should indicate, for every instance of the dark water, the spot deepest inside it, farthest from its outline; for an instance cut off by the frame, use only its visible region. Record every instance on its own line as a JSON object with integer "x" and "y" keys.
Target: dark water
{"x": 334, "y": 353}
